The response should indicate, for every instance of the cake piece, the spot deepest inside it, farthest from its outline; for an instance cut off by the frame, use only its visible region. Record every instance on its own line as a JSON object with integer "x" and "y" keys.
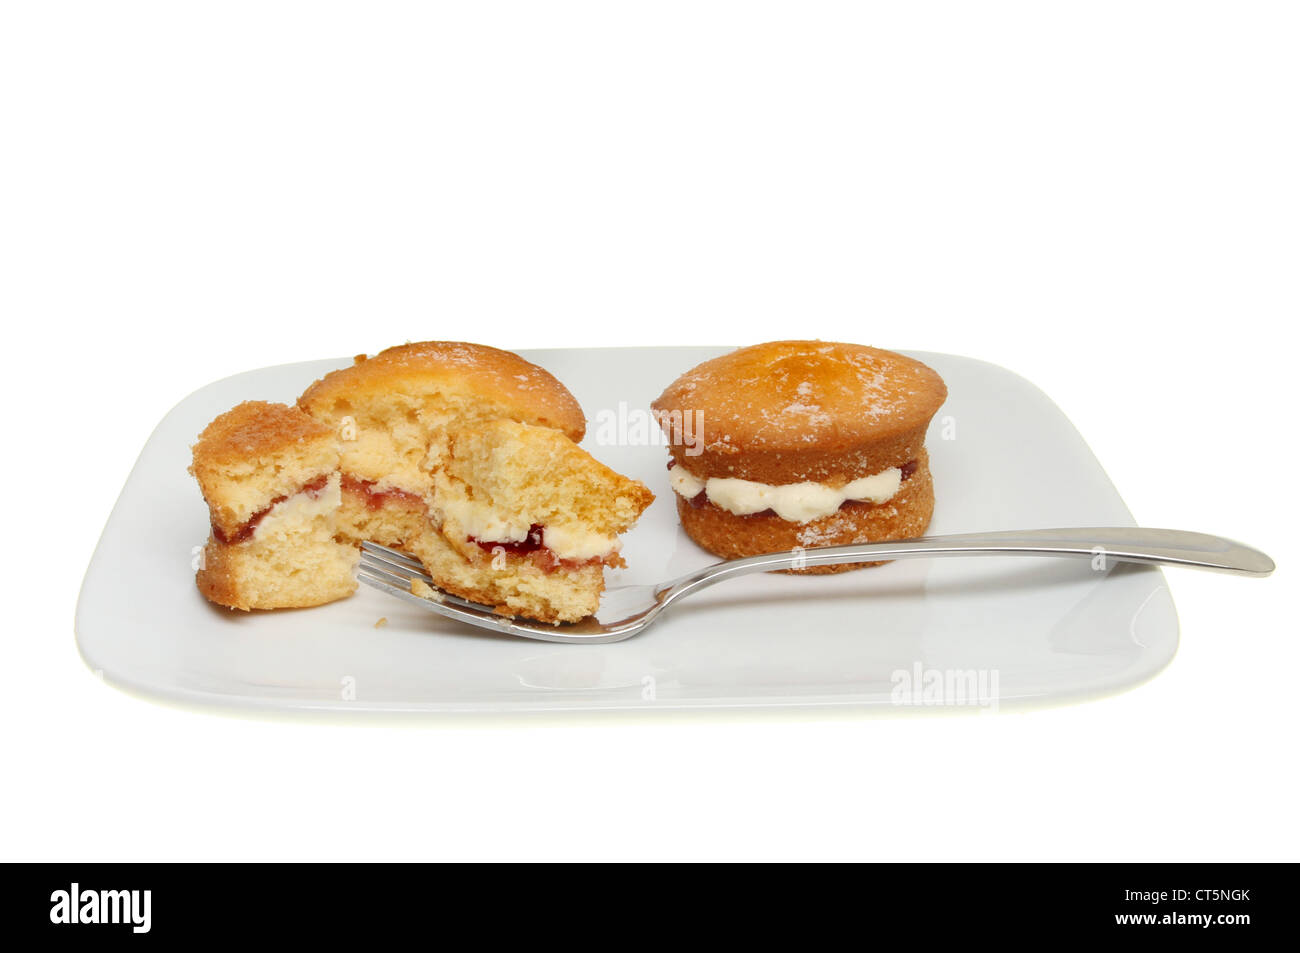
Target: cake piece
{"x": 269, "y": 474}
{"x": 460, "y": 454}
{"x": 423, "y": 428}
{"x": 801, "y": 444}
{"x": 528, "y": 521}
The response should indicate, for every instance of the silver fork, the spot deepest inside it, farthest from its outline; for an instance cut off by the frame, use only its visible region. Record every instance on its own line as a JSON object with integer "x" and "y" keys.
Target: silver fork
{"x": 626, "y": 611}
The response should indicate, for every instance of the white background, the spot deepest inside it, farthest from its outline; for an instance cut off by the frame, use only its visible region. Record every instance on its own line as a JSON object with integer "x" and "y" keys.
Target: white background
{"x": 1100, "y": 196}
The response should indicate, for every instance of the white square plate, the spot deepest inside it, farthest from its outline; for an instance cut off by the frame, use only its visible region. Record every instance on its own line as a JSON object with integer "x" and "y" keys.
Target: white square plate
{"x": 1003, "y": 457}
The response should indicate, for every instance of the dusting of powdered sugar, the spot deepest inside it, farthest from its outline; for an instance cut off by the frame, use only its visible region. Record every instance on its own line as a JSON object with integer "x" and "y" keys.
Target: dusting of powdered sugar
{"x": 824, "y": 532}
{"x": 793, "y": 398}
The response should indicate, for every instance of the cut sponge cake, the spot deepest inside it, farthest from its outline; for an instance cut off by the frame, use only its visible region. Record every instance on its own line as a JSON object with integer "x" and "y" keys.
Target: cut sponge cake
{"x": 528, "y": 521}
{"x": 394, "y": 413}
{"x": 400, "y": 413}
{"x": 269, "y": 474}
{"x": 460, "y": 454}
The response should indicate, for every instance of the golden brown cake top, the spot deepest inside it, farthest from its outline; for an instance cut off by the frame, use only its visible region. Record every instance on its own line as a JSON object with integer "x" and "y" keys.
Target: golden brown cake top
{"x": 519, "y": 388}
{"x": 253, "y": 430}
{"x": 792, "y": 396}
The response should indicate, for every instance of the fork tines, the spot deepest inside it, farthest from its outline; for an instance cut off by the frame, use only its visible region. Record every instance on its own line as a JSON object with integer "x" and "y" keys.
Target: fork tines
{"x": 394, "y": 571}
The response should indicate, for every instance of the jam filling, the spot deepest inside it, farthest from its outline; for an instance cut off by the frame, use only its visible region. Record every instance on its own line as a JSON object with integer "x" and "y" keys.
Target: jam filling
{"x": 249, "y": 527}
{"x": 907, "y": 470}
{"x": 539, "y": 554}
{"x": 530, "y": 544}
{"x": 375, "y": 499}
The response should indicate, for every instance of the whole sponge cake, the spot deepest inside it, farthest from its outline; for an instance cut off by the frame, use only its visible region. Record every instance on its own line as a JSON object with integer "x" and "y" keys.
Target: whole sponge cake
{"x": 801, "y": 444}
{"x": 269, "y": 474}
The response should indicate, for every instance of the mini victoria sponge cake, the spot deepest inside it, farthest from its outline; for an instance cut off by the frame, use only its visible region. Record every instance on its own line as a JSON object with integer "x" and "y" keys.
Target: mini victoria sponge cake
{"x": 460, "y": 454}
{"x": 795, "y": 444}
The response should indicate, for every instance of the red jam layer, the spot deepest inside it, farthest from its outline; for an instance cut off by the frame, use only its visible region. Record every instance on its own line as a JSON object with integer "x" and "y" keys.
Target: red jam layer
{"x": 524, "y": 547}
{"x": 249, "y": 527}
{"x": 538, "y": 553}
{"x": 907, "y": 470}
{"x": 375, "y": 499}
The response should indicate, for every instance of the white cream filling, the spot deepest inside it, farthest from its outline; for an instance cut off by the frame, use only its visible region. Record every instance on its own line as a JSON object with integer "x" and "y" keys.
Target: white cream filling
{"x": 482, "y": 522}
{"x": 294, "y": 515}
{"x": 794, "y": 502}
{"x": 575, "y": 542}
{"x": 685, "y": 483}
{"x": 487, "y": 525}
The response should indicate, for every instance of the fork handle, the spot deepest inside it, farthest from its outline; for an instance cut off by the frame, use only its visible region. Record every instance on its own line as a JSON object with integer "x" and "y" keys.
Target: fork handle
{"x": 1168, "y": 547}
